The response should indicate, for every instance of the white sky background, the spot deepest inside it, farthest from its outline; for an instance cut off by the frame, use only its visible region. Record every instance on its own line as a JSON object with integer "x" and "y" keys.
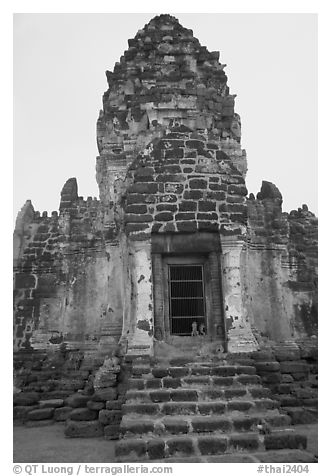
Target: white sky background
{"x": 59, "y": 78}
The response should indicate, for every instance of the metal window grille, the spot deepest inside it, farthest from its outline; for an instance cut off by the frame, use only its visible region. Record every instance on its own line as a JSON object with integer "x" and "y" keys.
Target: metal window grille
{"x": 187, "y": 298}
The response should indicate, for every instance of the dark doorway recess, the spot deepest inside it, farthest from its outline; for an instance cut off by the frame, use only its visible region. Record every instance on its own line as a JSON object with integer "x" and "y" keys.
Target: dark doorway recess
{"x": 187, "y": 286}
{"x": 186, "y": 298}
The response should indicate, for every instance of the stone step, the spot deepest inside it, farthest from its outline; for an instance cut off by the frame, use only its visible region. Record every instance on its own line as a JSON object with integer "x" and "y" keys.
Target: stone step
{"x": 190, "y": 370}
{"x": 301, "y": 415}
{"x": 194, "y": 424}
{"x": 178, "y": 406}
{"x": 193, "y": 381}
{"x": 203, "y": 394}
{"x": 149, "y": 448}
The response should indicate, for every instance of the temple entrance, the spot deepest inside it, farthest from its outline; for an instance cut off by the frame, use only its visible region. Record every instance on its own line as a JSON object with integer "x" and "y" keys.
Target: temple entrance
{"x": 187, "y": 287}
{"x": 187, "y": 306}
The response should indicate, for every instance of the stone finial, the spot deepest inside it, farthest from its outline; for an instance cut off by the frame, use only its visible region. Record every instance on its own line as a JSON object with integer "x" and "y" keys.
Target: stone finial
{"x": 69, "y": 193}
{"x": 24, "y": 216}
{"x": 269, "y": 190}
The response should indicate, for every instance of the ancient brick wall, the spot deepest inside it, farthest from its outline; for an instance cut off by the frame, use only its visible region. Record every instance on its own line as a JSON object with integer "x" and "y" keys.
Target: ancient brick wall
{"x": 280, "y": 262}
{"x": 68, "y": 267}
{"x": 184, "y": 183}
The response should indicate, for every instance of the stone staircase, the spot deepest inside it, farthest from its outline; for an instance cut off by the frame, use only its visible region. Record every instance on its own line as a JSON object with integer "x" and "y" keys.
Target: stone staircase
{"x": 199, "y": 410}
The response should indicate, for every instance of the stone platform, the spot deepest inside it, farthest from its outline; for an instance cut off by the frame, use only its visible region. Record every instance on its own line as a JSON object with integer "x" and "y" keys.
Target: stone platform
{"x": 202, "y": 410}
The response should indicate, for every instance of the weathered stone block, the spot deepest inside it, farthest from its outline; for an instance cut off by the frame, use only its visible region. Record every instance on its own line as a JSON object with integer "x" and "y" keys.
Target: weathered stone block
{"x": 301, "y": 416}
{"x": 166, "y": 207}
{"x": 208, "y": 408}
{"x": 154, "y": 383}
{"x": 206, "y": 206}
{"x": 217, "y": 196}
{"x": 131, "y": 218}
{"x": 223, "y": 381}
{"x": 104, "y": 394}
{"x": 184, "y": 395}
{"x": 41, "y": 414}
{"x": 279, "y": 441}
{"x": 200, "y": 371}
{"x": 133, "y": 198}
{"x": 239, "y": 405}
{"x": 178, "y": 371}
{"x": 183, "y": 408}
{"x": 170, "y": 382}
{"x": 139, "y": 209}
{"x": 244, "y": 442}
{"x": 83, "y": 429}
{"x": 249, "y": 379}
{"x": 140, "y": 408}
{"x": 187, "y": 206}
{"x": 95, "y": 405}
{"x": 137, "y": 427}
{"x": 287, "y": 354}
{"x": 160, "y": 396}
{"x": 114, "y": 405}
{"x": 193, "y": 194}
{"x": 156, "y": 449}
{"x": 176, "y": 153}
{"x": 260, "y": 392}
{"x": 24, "y": 280}
{"x": 267, "y": 366}
{"x": 288, "y": 400}
{"x": 272, "y": 377}
{"x": 209, "y": 424}
{"x": 244, "y": 423}
{"x": 76, "y": 401}
{"x": 110, "y": 417}
{"x": 160, "y": 372}
{"x": 198, "y": 184}
{"x": 176, "y": 426}
{"x": 133, "y": 448}
{"x": 52, "y": 403}
{"x": 184, "y": 216}
{"x": 195, "y": 144}
{"x": 177, "y": 361}
{"x": 263, "y": 356}
{"x": 212, "y": 445}
{"x": 164, "y": 216}
{"x": 180, "y": 446}
{"x": 137, "y": 395}
{"x": 83, "y": 414}
{"x": 138, "y": 384}
{"x": 62, "y": 413}
{"x": 292, "y": 367}
{"x": 207, "y": 216}
{"x": 226, "y": 371}
{"x": 145, "y": 187}
{"x": 234, "y": 392}
{"x": 266, "y": 404}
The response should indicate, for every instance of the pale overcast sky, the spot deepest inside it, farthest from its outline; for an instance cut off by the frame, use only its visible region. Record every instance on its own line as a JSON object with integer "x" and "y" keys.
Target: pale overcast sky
{"x": 59, "y": 78}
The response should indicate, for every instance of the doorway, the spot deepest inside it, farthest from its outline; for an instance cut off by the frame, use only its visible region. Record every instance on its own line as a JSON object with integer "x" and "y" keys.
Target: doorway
{"x": 187, "y": 305}
{"x": 187, "y": 286}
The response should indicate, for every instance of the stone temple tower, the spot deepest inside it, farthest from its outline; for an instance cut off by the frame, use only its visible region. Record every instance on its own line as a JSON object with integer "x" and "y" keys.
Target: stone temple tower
{"x": 173, "y": 246}
{"x": 176, "y": 303}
